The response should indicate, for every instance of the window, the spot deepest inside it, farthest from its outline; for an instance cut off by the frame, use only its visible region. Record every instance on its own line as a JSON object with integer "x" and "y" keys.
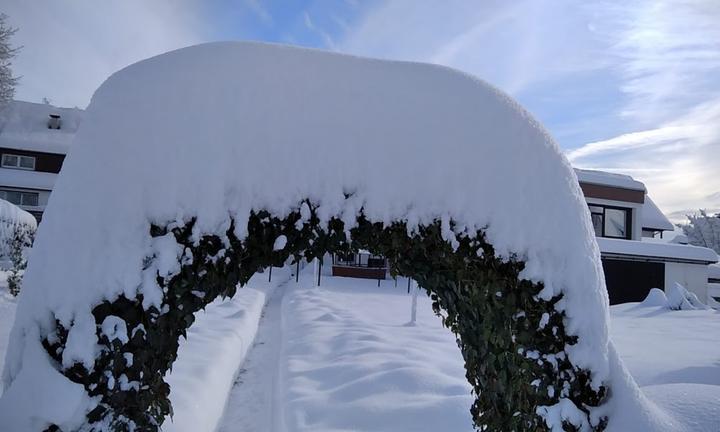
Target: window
{"x": 17, "y": 161}
{"x": 611, "y": 222}
{"x": 615, "y": 222}
{"x": 597, "y": 214}
{"x": 29, "y": 199}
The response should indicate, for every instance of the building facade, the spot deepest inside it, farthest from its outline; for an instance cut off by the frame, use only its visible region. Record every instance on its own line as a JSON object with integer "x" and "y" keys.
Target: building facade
{"x": 629, "y": 229}
{"x": 34, "y": 140}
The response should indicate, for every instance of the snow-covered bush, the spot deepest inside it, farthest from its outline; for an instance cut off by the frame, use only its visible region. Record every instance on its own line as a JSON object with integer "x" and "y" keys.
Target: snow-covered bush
{"x": 655, "y": 298}
{"x": 703, "y": 230}
{"x": 191, "y": 165}
{"x": 679, "y": 298}
{"x": 20, "y": 243}
{"x": 17, "y": 231}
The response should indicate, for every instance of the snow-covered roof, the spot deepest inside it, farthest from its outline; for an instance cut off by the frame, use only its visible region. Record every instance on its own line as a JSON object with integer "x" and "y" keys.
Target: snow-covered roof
{"x": 23, "y": 125}
{"x": 652, "y": 218}
{"x": 217, "y": 130}
{"x": 656, "y": 249}
{"x": 608, "y": 179}
{"x": 714, "y": 271}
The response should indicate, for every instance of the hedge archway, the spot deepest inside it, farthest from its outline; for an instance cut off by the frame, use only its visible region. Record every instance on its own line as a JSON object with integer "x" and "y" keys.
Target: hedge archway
{"x": 189, "y": 165}
{"x": 513, "y": 343}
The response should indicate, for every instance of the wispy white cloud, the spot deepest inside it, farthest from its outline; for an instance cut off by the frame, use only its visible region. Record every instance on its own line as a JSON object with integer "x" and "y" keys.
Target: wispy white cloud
{"x": 668, "y": 60}
{"x": 678, "y": 161}
{"x": 511, "y": 44}
{"x": 259, "y": 10}
{"x": 310, "y": 25}
{"x": 668, "y": 55}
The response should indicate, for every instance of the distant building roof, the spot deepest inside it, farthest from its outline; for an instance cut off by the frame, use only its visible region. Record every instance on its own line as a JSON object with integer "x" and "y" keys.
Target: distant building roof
{"x": 24, "y": 126}
{"x": 609, "y": 179}
{"x": 653, "y": 219}
{"x": 649, "y": 249}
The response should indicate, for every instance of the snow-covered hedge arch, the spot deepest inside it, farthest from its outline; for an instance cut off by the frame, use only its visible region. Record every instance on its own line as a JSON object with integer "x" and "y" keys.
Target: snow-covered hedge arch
{"x": 188, "y": 167}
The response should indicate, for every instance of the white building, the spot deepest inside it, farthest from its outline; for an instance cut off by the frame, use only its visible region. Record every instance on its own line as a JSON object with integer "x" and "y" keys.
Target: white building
{"x": 34, "y": 139}
{"x": 630, "y": 227}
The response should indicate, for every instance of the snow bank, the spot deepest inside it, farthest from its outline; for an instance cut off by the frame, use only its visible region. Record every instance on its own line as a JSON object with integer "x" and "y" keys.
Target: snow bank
{"x": 216, "y": 130}
{"x": 8, "y": 304}
{"x": 679, "y": 298}
{"x": 655, "y": 298}
{"x": 673, "y": 356}
{"x": 209, "y": 358}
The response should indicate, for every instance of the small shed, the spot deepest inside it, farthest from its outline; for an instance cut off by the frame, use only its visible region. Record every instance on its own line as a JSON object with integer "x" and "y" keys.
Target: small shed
{"x": 361, "y": 264}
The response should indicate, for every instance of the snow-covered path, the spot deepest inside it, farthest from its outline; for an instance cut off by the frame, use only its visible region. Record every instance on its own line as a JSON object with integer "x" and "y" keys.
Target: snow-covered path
{"x": 252, "y": 406}
{"x": 343, "y": 357}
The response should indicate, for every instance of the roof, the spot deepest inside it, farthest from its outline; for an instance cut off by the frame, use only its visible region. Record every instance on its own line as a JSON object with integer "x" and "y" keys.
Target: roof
{"x": 23, "y": 125}
{"x": 652, "y": 217}
{"x": 608, "y": 179}
{"x": 714, "y": 271}
{"x": 660, "y": 251}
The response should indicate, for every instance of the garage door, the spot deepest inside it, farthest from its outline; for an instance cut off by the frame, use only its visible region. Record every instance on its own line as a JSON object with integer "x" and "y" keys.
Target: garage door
{"x": 630, "y": 281}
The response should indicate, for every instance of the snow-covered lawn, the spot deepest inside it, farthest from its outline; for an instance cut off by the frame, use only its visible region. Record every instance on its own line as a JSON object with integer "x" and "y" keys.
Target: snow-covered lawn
{"x": 675, "y": 358}
{"x": 351, "y": 361}
{"x": 343, "y": 356}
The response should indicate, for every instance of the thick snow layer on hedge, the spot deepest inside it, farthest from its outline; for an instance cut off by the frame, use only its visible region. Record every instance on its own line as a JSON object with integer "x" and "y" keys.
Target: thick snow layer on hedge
{"x": 216, "y": 130}
{"x": 11, "y": 217}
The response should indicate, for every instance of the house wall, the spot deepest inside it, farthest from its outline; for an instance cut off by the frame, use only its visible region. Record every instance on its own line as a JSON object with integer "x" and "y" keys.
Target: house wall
{"x": 694, "y": 277}
{"x": 636, "y": 225}
{"x": 44, "y": 162}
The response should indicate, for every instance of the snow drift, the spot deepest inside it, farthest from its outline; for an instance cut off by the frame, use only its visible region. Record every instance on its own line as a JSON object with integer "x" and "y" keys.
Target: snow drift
{"x": 214, "y": 131}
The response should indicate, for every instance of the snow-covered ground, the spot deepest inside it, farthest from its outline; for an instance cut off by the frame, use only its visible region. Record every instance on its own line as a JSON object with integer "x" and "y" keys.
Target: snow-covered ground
{"x": 343, "y": 356}
{"x": 675, "y": 358}
{"x": 7, "y": 316}
{"x": 208, "y": 359}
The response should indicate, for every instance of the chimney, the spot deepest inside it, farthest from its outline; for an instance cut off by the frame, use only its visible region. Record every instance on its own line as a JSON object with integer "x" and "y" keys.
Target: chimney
{"x": 54, "y": 121}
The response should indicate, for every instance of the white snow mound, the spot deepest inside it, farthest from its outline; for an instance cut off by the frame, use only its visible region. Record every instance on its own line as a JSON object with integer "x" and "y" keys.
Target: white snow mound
{"x": 216, "y": 130}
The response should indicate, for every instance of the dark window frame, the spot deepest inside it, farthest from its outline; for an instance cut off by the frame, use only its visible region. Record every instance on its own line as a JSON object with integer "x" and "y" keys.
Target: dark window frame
{"x": 22, "y": 195}
{"x": 628, "y": 219}
{"x": 18, "y": 158}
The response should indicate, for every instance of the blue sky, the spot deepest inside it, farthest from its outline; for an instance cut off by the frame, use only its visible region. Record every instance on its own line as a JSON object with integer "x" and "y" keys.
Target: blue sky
{"x": 632, "y": 87}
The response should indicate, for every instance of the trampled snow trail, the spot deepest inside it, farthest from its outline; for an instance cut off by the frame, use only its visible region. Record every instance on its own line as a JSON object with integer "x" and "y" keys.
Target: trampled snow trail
{"x": 251, "y": 405}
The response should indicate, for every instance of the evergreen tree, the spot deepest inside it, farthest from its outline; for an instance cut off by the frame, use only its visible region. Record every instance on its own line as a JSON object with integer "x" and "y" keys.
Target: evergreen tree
{"x": 7, "y": 53}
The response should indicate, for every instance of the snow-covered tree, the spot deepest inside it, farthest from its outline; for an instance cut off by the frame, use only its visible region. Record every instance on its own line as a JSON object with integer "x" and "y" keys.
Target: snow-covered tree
{"x": 7, "y": 53}
{"x": 703, "y": 230}
{"x": 17, "y": 232}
